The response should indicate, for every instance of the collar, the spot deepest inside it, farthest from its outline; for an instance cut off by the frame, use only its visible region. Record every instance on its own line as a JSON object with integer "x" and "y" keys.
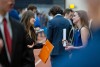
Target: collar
{"x": 6, "y": 16}
{"x": 1, "y": 18}
{"x": 57, "y": 15}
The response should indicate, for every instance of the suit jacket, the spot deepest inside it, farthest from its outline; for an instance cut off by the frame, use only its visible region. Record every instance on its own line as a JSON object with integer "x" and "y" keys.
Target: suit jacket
{"x": 55, "y": 33}
{"x": 18, "y": 46}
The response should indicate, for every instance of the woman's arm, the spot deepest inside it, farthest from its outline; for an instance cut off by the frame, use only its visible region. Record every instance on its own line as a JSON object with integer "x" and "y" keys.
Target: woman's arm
{"x": 38, "y": 46}
{"x": 84, "y": 36}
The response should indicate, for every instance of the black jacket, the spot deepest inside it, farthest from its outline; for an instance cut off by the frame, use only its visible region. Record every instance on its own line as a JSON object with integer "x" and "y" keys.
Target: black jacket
{"x": 29, "y": 59}
{"x": 18, "y": 46}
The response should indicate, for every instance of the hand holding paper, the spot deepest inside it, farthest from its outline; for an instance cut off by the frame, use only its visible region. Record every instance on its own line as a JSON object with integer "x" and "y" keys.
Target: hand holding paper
{"x": 64, "y": 37}
{"x": 45, "y": 51}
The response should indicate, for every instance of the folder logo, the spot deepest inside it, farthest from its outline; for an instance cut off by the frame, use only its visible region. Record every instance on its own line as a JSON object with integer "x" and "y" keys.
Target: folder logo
{"x": 45, "y": 51}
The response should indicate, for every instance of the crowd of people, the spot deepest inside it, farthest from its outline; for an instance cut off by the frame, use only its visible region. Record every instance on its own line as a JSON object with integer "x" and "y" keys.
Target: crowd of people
{"x": 21, "y": 33}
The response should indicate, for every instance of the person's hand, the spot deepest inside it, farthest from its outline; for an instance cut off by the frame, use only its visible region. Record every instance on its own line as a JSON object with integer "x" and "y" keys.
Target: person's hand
{"x": 68, "y": 44}
{"x": 69, "y": 48}
{"x": 1, "y": 44}
{"x": 37, "y": 28}
{"x": 1, "y": 65}
{"x": 42, "y": 40}
{"x": 64, "y": 41}
{"x": 30, "y": 46}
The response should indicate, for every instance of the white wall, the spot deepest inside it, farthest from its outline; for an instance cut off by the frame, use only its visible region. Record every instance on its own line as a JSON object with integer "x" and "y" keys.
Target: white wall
{"x": 79, "y": 4}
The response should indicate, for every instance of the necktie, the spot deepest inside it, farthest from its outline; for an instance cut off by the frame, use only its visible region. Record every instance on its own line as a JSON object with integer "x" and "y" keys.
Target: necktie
{"x": 7, "y": 36}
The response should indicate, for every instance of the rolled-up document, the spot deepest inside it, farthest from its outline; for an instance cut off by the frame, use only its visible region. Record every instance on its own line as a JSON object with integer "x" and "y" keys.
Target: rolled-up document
{"x": 64, "y": 37}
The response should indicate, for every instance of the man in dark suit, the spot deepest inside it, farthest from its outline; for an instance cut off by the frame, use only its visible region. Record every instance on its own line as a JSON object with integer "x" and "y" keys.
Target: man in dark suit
{"x": 12, "y": 34}
{"x": 55, "y": 35}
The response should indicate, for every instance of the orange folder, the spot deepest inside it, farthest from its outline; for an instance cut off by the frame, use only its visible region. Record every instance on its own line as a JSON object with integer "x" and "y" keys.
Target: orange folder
{"x": 45, "y": 51}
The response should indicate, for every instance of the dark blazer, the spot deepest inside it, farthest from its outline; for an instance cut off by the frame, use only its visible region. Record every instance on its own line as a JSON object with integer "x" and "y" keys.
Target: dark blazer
{"x": 18, "y": 46}
{"x": 55, "y": 33}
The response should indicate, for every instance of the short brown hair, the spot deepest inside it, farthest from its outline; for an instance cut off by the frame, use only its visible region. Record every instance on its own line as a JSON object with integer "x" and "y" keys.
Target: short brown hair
{"x": 31, "y": 7}
{"x": 68, "y": 11}
{"x": 56, "y": 10}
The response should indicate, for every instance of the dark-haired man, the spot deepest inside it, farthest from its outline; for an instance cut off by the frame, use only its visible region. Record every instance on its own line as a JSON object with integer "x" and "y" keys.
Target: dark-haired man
{"x": 55, "y": 35}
